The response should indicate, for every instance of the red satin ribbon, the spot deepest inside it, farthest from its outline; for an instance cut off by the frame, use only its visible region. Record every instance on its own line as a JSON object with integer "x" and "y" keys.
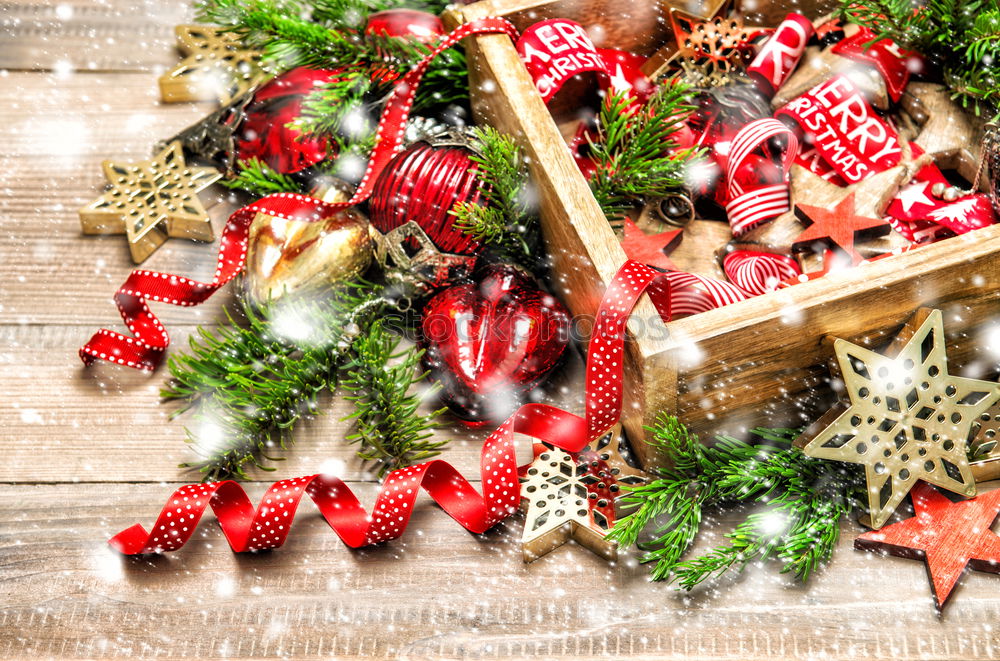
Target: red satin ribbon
{"x": 247, "y": 529}
{"x": 146, "y": 349}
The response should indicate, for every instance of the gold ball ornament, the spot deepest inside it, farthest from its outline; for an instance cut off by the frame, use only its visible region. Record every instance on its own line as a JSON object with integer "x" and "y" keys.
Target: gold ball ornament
{"x": 286, "y": 256}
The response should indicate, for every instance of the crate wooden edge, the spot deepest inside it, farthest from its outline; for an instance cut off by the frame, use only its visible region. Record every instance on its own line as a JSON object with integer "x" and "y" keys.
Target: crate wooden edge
{"x": 574, "y": 226}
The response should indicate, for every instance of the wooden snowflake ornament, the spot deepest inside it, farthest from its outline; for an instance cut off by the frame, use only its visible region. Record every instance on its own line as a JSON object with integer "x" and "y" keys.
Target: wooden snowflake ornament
{"x": 150, "y": 201}
{"x": 949, "y": 537}
{"x": 908, "y": 418}
{"x": 215, "y": 67}
{"x": 573, "y": 497}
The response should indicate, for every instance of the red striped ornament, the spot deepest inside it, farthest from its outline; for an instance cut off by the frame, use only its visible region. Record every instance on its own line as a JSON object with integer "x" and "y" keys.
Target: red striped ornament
{"x": 752, "y": 201}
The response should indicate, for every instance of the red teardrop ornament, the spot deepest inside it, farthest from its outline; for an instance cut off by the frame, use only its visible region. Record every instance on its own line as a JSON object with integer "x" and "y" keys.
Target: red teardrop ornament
{"x": 489, "y": 343}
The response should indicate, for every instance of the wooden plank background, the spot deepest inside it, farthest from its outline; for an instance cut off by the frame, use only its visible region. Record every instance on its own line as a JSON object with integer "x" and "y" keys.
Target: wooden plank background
{"x": 89, "y": 452}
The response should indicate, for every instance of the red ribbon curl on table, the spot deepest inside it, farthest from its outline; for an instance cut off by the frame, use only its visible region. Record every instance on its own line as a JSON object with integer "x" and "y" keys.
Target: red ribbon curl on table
{"x": 146, "y": 349}
{"x": 249, "y": 529}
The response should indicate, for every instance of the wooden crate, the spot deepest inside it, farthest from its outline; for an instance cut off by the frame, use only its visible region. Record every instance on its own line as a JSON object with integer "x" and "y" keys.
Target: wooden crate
{"x": 748, "y": 364}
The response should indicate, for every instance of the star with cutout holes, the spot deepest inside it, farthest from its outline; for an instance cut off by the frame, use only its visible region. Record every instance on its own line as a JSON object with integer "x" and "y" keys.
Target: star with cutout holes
{"x": 150, "y": 201}
{"x": 908, "y": 418}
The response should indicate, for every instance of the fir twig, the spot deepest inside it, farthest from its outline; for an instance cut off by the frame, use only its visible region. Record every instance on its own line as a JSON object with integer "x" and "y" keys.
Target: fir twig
{"x": 805, "y": 501}
{"x": 635, "y": 154}
{"x": 503, "y": 219}
{"x": 256, "y": 178}
{"x": 251, "y": 382}
{"x": 379, "y": 378}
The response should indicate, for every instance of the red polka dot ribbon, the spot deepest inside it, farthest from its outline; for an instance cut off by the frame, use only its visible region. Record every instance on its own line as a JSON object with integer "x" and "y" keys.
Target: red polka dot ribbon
{"x": 267, "y": 526}
{"x": 145, "y": 350}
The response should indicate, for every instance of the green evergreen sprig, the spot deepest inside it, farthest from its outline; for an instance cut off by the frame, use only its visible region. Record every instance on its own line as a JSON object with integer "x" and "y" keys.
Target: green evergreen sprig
{"x": 330, "y": 34}
{"x": 251, "y": 381}
{"x": 635, "y": 152}
{"x": 379, "y": 376}
{"x": 960, "y": 40}
{"x": 804, "y": 499}
{"x": 256, "y": 178}
{"x": 503, "y": 219}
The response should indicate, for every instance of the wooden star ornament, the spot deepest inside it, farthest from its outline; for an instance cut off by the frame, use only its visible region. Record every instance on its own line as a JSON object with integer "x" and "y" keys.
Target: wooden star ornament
{"x": 150, "y": 201}
{"x": 650, "y": 249}
{"x": 573, "y": 496}
{"x": 950, "y": 537}
{"x": 908, "y": 418}
{"x": 838, "y": 226}
{"x": 216, "y": 66}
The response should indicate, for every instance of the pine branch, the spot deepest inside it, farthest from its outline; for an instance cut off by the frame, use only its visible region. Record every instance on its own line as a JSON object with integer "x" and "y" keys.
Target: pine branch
{"x": 805, "y": 500}
{"x": 251, "y": 383}
{"x": 389, "y": 430}
{"x": 503, "y": 219}
{"x": 635, "y": 154}
{"x": 959, "y": 39}
{"x": 330, "y": 34}
{"x": 257, "y": 179}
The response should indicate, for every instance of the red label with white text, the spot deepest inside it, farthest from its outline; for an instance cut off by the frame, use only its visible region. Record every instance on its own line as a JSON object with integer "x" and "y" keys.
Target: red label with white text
{"x": 844, "y": 129}
{"x": 554, "y": 51}
{"x": 781, "y": 53}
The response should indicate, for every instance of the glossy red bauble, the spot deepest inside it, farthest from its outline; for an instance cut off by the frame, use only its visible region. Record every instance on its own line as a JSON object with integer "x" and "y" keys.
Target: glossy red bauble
{"x": 490, "y": 342}
{"x": 421, "y": 26}
{"x": 423, "y": 183}
{"x": 264, "y": 132}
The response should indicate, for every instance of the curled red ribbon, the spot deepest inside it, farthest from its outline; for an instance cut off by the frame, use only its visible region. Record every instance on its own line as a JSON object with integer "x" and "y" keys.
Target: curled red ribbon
{"x": 249, "y": 529}
{"x": 145, "y": 350}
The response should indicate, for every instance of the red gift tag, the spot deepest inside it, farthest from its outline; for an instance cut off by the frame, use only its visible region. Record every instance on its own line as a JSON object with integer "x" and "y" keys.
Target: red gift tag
{"x": 845, "y": 130}
{"x": 554, "y": 51}
{"x": 781, "y": 53}
{"x": 894, "y": 63}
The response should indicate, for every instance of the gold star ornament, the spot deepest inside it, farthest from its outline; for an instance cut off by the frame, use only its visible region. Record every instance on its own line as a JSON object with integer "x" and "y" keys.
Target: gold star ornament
{"x": 573, "y": 496}
{"x": 216, "y": 66}
{"x": 908, "y": 418}
{"x": 150, "y": 201}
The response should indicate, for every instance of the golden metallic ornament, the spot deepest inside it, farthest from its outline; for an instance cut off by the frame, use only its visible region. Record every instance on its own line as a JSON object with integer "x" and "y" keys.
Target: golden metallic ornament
{"x": 573, "y": 497}
{"x": 286, "y": 256}
{"x": 216, "y": 67}
{"x": 409, "y": 258}
{"x": 908, "y": 418}
{"x": 150, "y": 201}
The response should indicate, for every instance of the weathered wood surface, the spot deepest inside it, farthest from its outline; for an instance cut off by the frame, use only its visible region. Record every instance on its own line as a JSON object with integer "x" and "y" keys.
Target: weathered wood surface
{"x": 90, "y": 452}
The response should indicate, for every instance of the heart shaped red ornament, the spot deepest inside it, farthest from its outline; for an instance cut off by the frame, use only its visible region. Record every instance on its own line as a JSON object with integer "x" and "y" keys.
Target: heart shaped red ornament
{"x": 489, "y": 343}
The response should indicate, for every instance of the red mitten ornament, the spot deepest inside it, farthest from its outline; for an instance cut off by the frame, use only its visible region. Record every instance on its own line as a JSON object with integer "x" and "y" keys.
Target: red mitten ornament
{"x": 489, "y": 343}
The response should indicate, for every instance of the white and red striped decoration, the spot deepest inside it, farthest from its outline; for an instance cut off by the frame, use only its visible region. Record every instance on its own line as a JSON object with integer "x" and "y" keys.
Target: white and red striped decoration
{"x": 750, "y": 203}
{"x": 759, "y": 272}
{"x": 693, "y": 294}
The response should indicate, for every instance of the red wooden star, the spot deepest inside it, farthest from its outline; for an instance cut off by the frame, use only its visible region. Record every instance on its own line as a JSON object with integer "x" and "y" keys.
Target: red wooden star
{"x": 837, "y": 225}
{"x": 648, "y": 248}
{"x": 949, "y": 536}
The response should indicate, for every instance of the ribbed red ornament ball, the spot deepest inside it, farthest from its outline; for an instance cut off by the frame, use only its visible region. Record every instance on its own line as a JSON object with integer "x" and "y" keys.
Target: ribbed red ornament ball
{"x": 423, "y": 183}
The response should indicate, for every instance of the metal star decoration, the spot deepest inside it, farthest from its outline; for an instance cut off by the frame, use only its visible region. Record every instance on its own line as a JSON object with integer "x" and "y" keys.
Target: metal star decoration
{"x": 216, "y": 66}
{"x": 150, "y": 201}
{"x": 573, "y": 497}
{"x": 949, "y": 536}
{"x": 908, "y": 418}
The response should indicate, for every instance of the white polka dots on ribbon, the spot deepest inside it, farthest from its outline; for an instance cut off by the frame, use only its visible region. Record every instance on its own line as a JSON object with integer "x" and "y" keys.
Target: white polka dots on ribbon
{"x": 148, "y": 346}
{"x": 267, "y": 527}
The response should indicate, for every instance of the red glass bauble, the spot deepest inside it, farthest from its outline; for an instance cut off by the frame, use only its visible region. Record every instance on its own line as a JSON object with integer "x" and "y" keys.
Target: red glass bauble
{"x": 422, "y": 183}
{"x": 264, "y": 132}
{"x": 490, "y": 342}
{"x": 421, "y": 26}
